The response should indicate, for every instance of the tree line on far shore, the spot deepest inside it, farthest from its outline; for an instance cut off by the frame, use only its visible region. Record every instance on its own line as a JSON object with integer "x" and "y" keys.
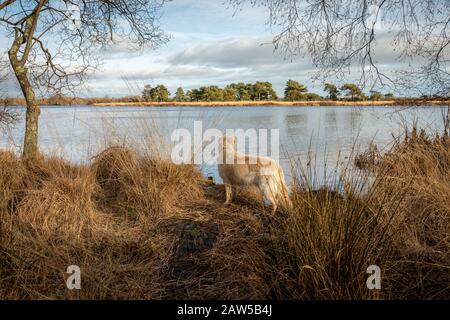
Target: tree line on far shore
{"x": 259, "y": 91}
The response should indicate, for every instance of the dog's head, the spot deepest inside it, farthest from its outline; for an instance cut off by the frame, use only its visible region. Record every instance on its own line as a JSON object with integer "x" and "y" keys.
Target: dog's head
{"x": 228, "y": 141}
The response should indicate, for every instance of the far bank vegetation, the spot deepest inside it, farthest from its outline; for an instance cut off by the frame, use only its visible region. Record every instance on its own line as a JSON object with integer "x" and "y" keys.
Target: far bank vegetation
{"x": 258, "y": 93}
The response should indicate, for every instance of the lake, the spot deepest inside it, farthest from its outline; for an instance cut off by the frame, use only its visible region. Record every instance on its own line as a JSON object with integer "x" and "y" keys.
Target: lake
{"x": 78, "y": 132}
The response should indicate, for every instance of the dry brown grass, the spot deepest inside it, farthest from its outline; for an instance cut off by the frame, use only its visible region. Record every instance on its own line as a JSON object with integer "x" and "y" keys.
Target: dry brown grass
{"x": 138, "y": 227}
{"x": 420, "y": 165}
{"x": 395, "y": 215}
{"x": 141, "y": 227}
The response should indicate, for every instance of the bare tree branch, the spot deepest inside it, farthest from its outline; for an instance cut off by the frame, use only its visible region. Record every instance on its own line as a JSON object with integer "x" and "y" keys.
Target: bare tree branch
{"x": 341, "y": 35}
{"x": 6, "y": 3}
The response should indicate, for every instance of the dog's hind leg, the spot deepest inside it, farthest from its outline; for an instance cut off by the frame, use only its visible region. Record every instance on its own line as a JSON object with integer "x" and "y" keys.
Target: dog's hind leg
{"x": 228, "y": 193}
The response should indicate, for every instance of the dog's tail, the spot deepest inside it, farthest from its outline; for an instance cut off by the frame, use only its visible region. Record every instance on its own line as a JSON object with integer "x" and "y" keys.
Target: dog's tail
{"x": 285, "y": 200}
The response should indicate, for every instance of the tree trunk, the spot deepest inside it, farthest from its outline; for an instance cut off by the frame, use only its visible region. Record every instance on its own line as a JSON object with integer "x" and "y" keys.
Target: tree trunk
{"x": 30, "y": 141}
{"x": 25, "y": 37}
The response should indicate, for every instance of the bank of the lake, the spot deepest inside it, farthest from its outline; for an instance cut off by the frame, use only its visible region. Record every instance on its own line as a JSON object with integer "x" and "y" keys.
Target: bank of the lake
{"x": 369, "y": 103}
{"x": 138, "y": 101}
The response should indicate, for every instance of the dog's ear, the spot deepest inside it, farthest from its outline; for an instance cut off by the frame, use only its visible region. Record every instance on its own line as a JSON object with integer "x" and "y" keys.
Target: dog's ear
{"x": 224, "y": 141}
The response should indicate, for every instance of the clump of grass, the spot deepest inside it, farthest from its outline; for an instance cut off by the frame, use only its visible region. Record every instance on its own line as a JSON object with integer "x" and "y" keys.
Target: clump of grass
{"x": 395, "y": 213}
{"x": 330, "y": 238}
{"x": 419, "y": 164}
{"x": 11, "y": 181}
{"x": 369, "y": 159}
{"x": 143, "y": 185}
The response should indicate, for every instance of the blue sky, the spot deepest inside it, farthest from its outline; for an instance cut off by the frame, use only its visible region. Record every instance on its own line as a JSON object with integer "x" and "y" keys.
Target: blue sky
{"x": 211, "y": 44}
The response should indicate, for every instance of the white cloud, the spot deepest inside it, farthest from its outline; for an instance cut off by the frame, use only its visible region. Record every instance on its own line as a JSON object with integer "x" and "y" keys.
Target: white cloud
{"x": 229, "y": 53}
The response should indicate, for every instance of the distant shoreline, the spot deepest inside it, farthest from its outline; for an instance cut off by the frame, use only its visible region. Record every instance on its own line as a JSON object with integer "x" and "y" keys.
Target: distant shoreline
{"x": 275, "y": 103}
{"x": 123, "y": 103}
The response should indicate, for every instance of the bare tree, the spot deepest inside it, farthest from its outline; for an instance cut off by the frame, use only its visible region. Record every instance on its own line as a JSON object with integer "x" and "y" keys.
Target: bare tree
{"x": 55, "y": 45}
{"x": 340, "y": 34}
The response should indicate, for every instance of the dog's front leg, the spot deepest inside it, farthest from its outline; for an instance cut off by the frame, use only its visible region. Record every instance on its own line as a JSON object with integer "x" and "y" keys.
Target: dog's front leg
{"x": 268, "y": 193}
{"x": 228, "y": 193}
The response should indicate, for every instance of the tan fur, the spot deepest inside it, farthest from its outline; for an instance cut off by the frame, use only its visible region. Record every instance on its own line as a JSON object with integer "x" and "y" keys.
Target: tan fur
{"x": 251, "y": 170}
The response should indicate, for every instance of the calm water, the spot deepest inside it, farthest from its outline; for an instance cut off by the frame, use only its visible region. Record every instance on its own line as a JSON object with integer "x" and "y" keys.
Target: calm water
{"x": 77, "y": 133}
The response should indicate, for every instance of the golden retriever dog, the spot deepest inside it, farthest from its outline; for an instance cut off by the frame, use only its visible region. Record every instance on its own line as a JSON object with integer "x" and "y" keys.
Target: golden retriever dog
{"x": 239, "y": 169}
